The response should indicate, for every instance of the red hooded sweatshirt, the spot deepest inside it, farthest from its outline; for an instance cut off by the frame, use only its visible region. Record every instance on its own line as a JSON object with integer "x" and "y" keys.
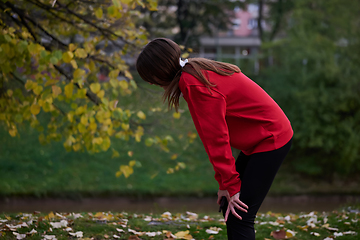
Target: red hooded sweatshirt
{"x": 235, "y": 113}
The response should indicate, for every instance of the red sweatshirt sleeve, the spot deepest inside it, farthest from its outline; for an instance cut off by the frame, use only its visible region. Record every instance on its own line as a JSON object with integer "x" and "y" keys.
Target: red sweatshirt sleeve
{"x": 208, "y": 113}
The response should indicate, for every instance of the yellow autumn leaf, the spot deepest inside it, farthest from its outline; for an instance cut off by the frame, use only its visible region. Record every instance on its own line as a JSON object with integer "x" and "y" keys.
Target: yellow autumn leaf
{"x": 183, "y": 235}
{"x": 35, "y": 109}
{"x": 123, "y": 84}
{"x": 70, "y": 117}
{"x": 128, "y": 74}
{"x": 56, "y": 90}
{"x": 106, "y": 143}
{"x": 149, "y": 142}
{"x": 185, "y": 55}
{"x": 81, "y": 128}
{"x": 38, "y": 89}
{"x": 93, "y": 126}
{"x": 9, "y": 92}
{"x": 76, "y": 147}
{"x": 74, "y": 64}
{"x": 114, "y": 82}
{"x": 72, "y": 47}
{"x": 115, "y": 153}
{"x": 99, "y": 13}
{"x": 67, "y": 56}
{"x": 51, "y": 82}
{"x": 50, "y": 216}
{"x": 29, "y": 85}
{"x": 84, "y": 120}
{"x": 174, "y": 156}
{"x": 81, "y": 93}
{"x": 141, "y": 115}
{"x": 132, "y": 163}
{"x": 153, "y": 5}
{"x": 69, "y": 90}
{"x": 92, "y": 66}
{"x": 78, "y": 73}
{"x": 100, "y": 94}
{"x": 181, "y": 165}
{"x": 114, "y": 73}
{"x": 125, "y": 126}
{"x": 13, "y": 132}
{"x": 95, "y": 87}
{"x": 97, "y": 140}
{"x": 81, "y": 53}
{"x": 126, "y": 170}
{"x": 130, "y": 153}
{"x": 117, "y": 3}
{"x": 176, "y": 115}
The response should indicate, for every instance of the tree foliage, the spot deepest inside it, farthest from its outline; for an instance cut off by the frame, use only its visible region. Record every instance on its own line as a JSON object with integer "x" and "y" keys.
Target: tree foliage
{"x": 67, "y": 61}
{"x": 187, "y": 20}
{"x": 316, "y": 78}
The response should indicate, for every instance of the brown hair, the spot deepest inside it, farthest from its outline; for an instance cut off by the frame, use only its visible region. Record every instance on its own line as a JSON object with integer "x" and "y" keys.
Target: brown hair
{"x": 158, "y": 63}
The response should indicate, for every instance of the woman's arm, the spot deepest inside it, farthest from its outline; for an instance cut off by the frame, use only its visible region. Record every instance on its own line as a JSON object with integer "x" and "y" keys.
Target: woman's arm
{"x": 208, "y": 113}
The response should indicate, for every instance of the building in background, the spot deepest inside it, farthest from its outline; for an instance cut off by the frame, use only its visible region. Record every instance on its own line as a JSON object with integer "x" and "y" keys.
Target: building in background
{"x": 240, "y": 45}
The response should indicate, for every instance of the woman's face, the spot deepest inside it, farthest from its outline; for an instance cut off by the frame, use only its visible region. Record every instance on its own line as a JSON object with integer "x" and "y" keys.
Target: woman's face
{"x": 158, "y": 80}
{"x": 164, "y": 87}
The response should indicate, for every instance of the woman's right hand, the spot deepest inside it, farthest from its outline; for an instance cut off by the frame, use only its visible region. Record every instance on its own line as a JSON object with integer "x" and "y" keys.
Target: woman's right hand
{"x": 233, "y": 202}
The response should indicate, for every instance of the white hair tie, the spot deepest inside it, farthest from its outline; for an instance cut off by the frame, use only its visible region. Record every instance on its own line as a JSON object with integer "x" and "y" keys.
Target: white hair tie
{"x": 182, "y": 63}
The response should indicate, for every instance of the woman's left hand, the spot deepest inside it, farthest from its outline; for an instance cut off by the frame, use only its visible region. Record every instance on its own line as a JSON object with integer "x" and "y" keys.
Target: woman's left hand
{"x": 233, "y": 202}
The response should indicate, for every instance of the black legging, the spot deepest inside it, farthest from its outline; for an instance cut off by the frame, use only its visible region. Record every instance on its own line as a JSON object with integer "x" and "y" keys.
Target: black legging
{"x": 257, "y": 172}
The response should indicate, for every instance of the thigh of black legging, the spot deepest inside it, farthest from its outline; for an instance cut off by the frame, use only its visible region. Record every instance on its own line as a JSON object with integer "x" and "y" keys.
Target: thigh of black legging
{"x": 257, "y": 178}
{"x": 241, "y": 163}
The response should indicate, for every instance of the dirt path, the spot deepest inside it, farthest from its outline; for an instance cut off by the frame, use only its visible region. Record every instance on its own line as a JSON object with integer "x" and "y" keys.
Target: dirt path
{"x": 159, "y": 205}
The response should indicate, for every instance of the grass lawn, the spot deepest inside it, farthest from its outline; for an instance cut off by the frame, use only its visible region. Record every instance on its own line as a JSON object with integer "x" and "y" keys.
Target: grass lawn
{"x": 111, "y": 225}
{"x": 28, "y": 168}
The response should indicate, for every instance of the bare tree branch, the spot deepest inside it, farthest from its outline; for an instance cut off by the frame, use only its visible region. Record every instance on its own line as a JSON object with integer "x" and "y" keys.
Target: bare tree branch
{"x": 24, "y": 23}
{"x": 106, "y": 32}
{"x": 260, "y": 19}
{"x": 279, "y": 15}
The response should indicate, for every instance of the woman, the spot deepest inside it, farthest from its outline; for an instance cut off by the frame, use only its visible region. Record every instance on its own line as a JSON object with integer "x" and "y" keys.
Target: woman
{"x": 228, "y": 110}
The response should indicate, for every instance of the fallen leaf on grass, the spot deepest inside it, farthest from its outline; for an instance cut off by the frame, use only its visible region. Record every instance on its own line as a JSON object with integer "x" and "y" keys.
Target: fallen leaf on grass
{"x": 77, "y": 215}
{"x": 282, "y": 234}
{"x": 62, "y": 223}
{"x": 133, "y": 237}
{"x": 315, "y": 234}
{"x": 183, "y": 235}
{"x": 19, "y": 236}
{"x": 50, "y": 237}
{"x": 166, "y": 215}
{"x": 50, "y": 216}
{"x": 278, "y": 234}
{"x": 213, "y": 230}
{"x": 78, "y": 234}
{"x": 209, "y": 231}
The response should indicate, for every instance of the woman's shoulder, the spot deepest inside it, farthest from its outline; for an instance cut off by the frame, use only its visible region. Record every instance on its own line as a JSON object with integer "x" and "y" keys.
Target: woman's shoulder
{"x": 188, "y": 79}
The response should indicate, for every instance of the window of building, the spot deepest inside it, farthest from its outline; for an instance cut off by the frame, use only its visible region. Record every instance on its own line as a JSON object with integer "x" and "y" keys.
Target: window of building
{"x": 236, "y": 23}
{"x": 252, "y": 23}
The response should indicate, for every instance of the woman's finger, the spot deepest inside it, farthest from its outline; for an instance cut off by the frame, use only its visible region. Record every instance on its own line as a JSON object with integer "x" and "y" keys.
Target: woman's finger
{"x": 235, "y": 213}
{"x": 240, "y": 208}
{"x": 237, "y": 205}
{"x": 241, "y": 203}
{"x": 227, "y": 213}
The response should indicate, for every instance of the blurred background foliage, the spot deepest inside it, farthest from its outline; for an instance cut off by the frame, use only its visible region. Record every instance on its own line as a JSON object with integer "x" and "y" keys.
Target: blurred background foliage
{"x": 309, "y": 62}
